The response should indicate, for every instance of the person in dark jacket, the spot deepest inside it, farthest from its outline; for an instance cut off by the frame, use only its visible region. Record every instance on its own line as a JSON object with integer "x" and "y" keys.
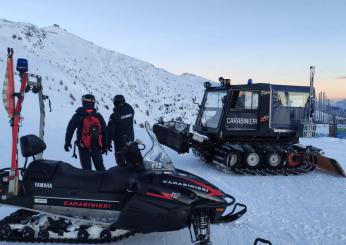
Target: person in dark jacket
{"x": 120, "y": 128}
{"x": 91, "y": 134}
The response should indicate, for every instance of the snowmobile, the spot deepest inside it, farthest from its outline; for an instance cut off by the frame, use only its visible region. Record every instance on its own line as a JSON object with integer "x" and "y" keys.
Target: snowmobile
{"x": 60, "y": 203}
{"x": 252, "y": 129}
{"x": 150, "y": 196}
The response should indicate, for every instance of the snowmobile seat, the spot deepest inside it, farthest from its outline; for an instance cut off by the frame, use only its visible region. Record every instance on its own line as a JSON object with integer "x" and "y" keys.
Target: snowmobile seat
{"x": 31, "y": 145}
{"x": 116, "y": 179}
{"x": 40, "y": 170}
{"x": 64, "y": 175}
{"x": 67, "y": 176}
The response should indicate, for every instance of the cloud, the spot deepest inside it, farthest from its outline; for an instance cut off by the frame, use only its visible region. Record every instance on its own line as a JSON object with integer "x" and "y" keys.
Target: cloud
{"x": 341, "y": 78}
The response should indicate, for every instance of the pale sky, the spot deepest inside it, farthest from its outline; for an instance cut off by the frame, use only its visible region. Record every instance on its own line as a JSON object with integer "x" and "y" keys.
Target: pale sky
{"x": 266, "y": 40}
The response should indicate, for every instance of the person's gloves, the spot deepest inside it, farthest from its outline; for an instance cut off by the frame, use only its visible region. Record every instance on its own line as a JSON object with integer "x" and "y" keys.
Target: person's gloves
{"x": 109, "y": 148}
{"x": 67, "y": 147}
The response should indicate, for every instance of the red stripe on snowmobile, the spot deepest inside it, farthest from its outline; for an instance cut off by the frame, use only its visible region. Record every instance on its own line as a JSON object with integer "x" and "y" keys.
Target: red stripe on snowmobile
{"x": 212, "y": 191}
{"x": 163, "y": 195}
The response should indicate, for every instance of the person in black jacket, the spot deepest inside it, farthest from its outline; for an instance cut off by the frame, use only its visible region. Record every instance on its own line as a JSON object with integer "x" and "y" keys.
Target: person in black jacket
{"x": 120, "y": 128}
{"x": 91, "y": 134}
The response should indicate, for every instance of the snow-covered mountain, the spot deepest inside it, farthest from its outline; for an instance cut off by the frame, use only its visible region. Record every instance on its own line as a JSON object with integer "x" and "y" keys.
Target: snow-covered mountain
{"x": 71, "y": 66}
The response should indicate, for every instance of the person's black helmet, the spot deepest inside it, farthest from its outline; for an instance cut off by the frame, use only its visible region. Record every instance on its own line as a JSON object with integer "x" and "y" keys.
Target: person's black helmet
{"x": 88, "y": 101}
{"x": 118, "y": 100}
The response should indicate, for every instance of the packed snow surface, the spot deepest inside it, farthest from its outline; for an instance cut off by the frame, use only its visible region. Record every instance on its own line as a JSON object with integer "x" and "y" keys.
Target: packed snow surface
{"x": 307, "y": 209}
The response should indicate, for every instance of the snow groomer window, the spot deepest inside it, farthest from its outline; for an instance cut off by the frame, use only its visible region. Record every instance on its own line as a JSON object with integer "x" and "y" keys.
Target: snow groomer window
{"x": 292, "y": 99}
{"x": 245, "y": 100}
{"x": 213, "y": 108}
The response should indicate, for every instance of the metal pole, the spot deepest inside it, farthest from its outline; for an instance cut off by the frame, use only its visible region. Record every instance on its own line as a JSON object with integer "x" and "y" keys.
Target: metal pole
{"x": 320, "y": 106}
{"x": 324, "y": 107}
{"x": 329, "y": 110}
{"x": 312, "y": 77}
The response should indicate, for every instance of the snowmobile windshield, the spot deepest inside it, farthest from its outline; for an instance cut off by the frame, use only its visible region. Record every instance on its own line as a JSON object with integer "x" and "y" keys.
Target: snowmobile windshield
{"x": 156, "y": 159}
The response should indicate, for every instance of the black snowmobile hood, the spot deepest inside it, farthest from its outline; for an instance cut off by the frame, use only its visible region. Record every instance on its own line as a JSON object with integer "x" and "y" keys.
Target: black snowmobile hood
{"x": 199, "y": 181}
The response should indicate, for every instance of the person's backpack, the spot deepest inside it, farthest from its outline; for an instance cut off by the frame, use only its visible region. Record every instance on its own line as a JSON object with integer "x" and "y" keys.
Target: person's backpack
{"x": 91, "y": 132}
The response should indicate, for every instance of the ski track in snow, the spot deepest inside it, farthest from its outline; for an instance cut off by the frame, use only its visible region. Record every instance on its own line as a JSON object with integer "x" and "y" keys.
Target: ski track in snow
{"x": 307, "y": 209}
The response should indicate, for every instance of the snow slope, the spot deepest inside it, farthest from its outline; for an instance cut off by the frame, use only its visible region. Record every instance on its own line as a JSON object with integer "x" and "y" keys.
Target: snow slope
{"x": 307, "y": 209}
{"x": 71, "y": 66}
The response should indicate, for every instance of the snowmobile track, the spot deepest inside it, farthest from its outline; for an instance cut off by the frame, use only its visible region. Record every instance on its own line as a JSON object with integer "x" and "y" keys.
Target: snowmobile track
{"x": 66, "y": 240}
{"x": 21, "y": 214}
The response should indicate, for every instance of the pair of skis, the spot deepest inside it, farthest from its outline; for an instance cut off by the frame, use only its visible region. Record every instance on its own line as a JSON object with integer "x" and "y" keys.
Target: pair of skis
{"x": 13, "y": 105}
